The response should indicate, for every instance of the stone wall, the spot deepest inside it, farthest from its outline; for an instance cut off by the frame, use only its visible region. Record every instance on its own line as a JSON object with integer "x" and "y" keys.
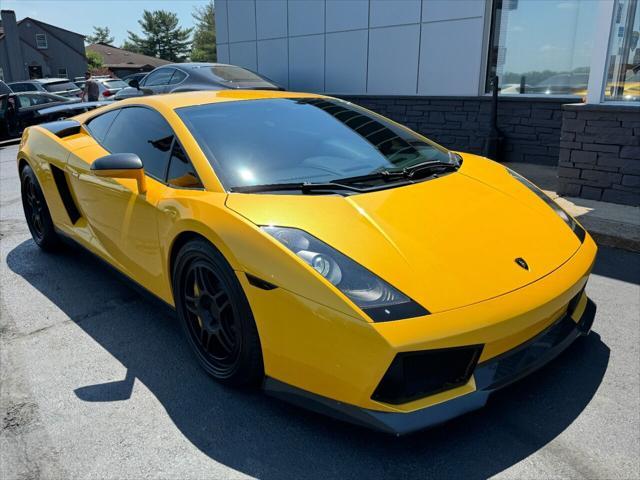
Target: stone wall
{"x": 600, "y": 153}
{"x": 531, "y": 127}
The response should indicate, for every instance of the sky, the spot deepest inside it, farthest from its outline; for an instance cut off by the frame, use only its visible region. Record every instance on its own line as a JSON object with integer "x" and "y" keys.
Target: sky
{"x": 80, "y": 15}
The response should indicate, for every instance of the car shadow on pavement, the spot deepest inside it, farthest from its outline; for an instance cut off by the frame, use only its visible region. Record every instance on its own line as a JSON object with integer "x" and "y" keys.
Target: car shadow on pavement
{"x": 266, "y": 438}
{"x": 618, "y": 264}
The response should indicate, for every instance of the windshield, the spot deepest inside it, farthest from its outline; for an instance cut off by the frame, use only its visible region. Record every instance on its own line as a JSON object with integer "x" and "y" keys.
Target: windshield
{"x": 285, "y": 140}
{"x": 59, "y": 86}
{"x": 115, "y": 84}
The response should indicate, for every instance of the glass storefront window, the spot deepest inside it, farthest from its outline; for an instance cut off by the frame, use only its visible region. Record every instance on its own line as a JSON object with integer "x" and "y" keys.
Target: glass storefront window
{"x": 541, "y": 46}
{"x": 623, "y": 72}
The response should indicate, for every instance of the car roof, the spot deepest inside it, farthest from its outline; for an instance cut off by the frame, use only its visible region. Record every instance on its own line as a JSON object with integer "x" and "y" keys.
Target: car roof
{"x": 194, "y": 65}
{"x": 42, "y": 80}
{"x": 189, "y": 99}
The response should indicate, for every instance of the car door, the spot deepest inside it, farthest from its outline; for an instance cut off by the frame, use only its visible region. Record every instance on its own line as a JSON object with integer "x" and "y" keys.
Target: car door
{"x": 123, "y": 221}
{"x": 158, "y": 80}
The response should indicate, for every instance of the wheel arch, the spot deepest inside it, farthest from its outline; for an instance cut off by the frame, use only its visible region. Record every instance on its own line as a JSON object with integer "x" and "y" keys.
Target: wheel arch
{"x": 187, "y": 235}
{"x": 22, "y": 162}
{"x": 180, "y": 241}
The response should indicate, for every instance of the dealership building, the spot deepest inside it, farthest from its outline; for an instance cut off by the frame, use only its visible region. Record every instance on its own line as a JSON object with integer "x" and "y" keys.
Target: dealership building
{"x": 568, "y": 70}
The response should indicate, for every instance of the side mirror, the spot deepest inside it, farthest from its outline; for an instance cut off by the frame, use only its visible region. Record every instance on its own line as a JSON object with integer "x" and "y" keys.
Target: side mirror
{"x": 121, "y": 165}
{"x": 134, "y": 83}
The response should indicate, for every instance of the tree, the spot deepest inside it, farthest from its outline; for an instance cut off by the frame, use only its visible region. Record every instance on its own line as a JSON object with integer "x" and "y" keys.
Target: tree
{"x": 94, "y": 60}
{"x": 100, "y": 35}
{"x": 162, "y": 37}
{"x": 204, "y": 36}
{"x": 127, "y": 45}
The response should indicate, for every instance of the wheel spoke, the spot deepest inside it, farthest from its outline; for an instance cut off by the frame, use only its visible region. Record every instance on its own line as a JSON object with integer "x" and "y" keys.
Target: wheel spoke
{"x": 208, "y": 306}
{"x": 204, "y": 338}
{"x": 223, "y": 339}
{"x": 201, "y": 280}
{"x": 190, "y": 303}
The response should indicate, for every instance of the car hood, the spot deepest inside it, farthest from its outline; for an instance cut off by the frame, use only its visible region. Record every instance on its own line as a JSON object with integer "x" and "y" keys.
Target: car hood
{"x": 446, "y": 242}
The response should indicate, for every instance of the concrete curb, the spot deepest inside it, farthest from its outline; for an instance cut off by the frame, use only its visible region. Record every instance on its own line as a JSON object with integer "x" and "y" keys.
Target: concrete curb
{"x": 609, "y": 237}
{"x": 609, "y": 224}
{"x": 10, "y": 142}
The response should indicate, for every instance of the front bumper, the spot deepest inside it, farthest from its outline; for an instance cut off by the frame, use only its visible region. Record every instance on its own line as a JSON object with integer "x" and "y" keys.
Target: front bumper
{"x": 489, "y": 376}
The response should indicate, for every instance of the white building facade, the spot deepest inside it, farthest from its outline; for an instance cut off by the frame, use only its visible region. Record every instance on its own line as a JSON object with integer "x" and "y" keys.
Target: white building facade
{"x": 566, "y": 68}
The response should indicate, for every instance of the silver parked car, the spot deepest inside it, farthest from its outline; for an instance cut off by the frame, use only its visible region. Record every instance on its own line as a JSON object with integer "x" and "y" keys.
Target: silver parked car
{"x": 58, "y": 86}
{"x": 187, "y": 77}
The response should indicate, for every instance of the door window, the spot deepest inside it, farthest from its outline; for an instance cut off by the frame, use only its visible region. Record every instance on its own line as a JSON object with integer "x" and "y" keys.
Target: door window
{"x": 181, "y": 172}
{"x": 159, "y": 77}
{"x": 23, "y": 87}
{"x": 178, "y": 76}
{"x": 24, "y": 101}
{"x": 144, "y": 132}
{"x": 99, "y": 126}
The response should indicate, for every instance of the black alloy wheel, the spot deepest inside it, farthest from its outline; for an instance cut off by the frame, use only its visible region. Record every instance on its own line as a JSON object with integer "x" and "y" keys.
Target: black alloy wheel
{"x": 36, "y": 211}
{"x": 216, "y": 316}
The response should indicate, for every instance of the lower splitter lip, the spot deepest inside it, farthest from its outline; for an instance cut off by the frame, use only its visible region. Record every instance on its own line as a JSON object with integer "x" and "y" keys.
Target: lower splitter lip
{"x": 490, "y": 376}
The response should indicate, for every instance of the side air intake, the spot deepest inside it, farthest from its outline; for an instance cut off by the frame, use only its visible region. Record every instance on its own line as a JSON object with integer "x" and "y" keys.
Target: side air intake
{"x": 414, "y": 375}
{"x": 65, "y": 193}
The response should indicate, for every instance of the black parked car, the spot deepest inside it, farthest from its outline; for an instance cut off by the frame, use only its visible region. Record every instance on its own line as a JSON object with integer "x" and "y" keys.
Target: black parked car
{"x": 4, "y": 88}
{"x": 19, "y": 110}
{"x": 186, "y": 77}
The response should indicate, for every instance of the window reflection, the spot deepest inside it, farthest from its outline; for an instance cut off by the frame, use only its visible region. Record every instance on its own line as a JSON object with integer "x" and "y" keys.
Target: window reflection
{"x": 301, "y": 140}
{"x": 623, "y": 74}
{"x": 542, "y": 47}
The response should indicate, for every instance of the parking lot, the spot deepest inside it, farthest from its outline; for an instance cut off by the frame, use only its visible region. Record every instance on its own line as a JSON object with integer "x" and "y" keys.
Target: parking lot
{"x": 97, "y": 382}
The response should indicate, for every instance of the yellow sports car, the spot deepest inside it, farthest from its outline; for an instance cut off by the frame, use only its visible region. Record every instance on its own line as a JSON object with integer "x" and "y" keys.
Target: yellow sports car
{"x": 338, "y": 259}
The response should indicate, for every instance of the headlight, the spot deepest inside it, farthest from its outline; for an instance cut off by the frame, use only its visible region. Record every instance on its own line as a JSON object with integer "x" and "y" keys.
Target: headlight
{"x": 571, "y": 223}
{"x": 374, "y": 296}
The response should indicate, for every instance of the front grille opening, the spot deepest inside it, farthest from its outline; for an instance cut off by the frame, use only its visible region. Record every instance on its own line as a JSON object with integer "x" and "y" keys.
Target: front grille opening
{"x": 414, "y": 375}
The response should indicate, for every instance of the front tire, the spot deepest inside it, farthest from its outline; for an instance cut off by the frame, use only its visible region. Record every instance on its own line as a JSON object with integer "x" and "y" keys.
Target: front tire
{"x": 216, "y": 316}
{"x": 36, "y": 211}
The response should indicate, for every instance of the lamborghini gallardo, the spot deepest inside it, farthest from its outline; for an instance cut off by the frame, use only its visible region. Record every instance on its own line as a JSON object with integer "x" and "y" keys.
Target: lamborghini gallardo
{"x": 318, "y": 250}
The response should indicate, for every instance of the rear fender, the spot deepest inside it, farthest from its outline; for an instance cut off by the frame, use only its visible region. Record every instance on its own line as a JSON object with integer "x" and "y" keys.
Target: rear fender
{"x": 41, "y": 149}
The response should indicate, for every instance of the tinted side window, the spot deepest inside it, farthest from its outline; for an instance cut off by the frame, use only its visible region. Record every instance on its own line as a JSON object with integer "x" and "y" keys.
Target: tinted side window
{"x": 159, "y": 77}
{"x": 24, "y": 101}
{"x": 181, "y": 172}
{"x": 178, "y": 76}
{"x": 22, "y": 87}
{"x": 99, "y": 126}
{"x": 145, "y": 133}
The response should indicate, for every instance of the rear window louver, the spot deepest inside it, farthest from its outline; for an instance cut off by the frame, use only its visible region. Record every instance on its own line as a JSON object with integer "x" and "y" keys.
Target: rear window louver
{"x": 63, "y": 128}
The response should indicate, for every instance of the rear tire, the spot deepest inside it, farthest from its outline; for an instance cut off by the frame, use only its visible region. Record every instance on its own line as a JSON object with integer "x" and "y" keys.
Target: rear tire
{"x": 36, "y": 212}
{"x": 216, "y": 316}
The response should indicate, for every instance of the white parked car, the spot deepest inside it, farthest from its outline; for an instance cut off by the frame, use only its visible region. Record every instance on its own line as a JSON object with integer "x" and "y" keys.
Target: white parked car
{"x": 108, "y": 86}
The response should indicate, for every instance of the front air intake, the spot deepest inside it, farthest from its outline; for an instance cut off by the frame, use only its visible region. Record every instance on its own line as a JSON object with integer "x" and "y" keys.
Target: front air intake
{"x": 414, "y": 375}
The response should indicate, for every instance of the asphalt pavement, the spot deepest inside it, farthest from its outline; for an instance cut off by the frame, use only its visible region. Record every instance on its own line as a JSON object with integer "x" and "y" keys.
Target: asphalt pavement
{"x": 96, "y": 381}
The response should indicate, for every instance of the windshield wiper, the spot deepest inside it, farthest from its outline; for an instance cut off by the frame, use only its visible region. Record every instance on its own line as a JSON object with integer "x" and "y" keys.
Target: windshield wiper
{"x": 400, "y": 177}
{"x": 430, "y": 166}
{"x": 305, "y": 187}
{"x": 407, "y": 173}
